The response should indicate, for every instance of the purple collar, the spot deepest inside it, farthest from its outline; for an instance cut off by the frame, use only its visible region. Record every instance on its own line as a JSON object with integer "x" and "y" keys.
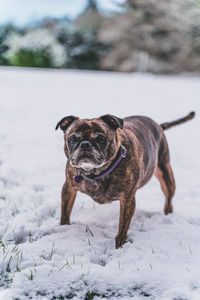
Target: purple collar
{"x": 121, "y": 154}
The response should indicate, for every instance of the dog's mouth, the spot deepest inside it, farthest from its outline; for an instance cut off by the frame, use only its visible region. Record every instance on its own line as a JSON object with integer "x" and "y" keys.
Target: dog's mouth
{"x": 85, "y": 157}
{"x": 87, "y": 162}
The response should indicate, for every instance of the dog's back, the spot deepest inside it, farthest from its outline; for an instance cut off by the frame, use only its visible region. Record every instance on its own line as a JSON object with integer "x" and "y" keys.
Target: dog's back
{"x": 144, "y": 128}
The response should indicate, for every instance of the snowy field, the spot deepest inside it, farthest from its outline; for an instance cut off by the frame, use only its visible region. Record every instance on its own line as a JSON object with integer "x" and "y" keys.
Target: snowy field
{"x": 39, "y": 259}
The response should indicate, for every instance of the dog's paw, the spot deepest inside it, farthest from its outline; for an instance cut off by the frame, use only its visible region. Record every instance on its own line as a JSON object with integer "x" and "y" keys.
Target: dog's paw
{"x": 119, "y": 241}
{"x": 168, "y": 210}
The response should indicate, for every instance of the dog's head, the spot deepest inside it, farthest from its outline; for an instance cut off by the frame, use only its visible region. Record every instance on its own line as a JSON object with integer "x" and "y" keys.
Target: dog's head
{"x": 91, "y": 144}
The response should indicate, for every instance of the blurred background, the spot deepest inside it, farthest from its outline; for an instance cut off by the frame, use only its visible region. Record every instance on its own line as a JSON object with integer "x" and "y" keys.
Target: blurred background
{"x": 161, "y": 37}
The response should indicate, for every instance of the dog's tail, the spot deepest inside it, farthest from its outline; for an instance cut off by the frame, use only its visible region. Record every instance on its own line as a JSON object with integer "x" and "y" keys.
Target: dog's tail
{"x": 168, "y": 125}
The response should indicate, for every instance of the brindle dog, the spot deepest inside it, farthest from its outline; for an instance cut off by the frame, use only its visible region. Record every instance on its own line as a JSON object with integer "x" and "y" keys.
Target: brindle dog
{"x": 111, "y": 158}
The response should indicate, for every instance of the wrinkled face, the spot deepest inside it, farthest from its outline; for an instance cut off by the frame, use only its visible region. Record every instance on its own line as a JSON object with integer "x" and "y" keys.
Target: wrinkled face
{"x": 89, "y": 144}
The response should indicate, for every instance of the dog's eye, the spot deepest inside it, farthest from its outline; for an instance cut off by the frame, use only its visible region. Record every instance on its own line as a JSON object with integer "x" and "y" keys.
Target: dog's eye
{"x": 72, "y": 140}
{"x": 100, "y": 139}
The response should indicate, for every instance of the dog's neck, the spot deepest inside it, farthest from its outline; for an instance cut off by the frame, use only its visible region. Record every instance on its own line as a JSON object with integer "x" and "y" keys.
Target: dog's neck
{"x": 92, "y": 177}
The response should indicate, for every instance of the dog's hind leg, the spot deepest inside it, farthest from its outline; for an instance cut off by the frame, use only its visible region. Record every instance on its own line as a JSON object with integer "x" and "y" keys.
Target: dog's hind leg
{"x": 165, "y": 176}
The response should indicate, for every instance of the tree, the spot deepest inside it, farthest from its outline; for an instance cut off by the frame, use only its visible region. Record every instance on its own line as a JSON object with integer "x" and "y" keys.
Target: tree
{"x": 91, "y": 5}
{"x": 155, "y": 36}
{"x": 4, "y": 33}
{"x": 82, "y": 48}
{"x": 91, "y": 17}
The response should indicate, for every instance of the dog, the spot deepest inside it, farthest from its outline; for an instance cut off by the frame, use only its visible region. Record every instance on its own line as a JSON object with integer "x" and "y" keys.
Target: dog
{"x": 110, "y": 158}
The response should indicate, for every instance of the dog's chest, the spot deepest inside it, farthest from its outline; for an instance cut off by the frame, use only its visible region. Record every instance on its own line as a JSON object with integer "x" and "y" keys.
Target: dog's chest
{"x": 100, "y": 191}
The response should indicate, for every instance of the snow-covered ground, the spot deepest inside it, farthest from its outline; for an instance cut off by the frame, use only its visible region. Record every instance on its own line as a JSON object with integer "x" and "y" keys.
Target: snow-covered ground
{"x": 39, "y": 259}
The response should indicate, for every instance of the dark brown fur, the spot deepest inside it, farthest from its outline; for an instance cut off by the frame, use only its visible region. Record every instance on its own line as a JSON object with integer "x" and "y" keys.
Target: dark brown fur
{"x": 147, "y": 155}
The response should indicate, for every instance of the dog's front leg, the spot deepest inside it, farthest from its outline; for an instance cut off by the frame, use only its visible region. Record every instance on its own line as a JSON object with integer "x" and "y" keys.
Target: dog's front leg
{"x": 68, "y": 197}
{"x": 127, "y": 209}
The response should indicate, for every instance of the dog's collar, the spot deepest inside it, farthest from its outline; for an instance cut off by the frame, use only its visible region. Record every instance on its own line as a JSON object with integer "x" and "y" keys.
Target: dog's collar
{"x": 121, "y": 154}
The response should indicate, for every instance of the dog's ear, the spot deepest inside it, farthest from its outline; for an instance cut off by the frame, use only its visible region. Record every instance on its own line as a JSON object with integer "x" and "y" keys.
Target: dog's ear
{"x": 112, "y": 121}
{"x": 65, "y": 122}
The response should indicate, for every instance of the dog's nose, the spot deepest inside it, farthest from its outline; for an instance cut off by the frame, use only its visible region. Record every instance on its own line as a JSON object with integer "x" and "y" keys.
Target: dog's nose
{"x": 85, "y": 145}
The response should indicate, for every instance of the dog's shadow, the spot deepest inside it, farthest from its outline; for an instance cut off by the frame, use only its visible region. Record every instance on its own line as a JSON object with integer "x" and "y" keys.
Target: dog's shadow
{"x": 143, "y": 214}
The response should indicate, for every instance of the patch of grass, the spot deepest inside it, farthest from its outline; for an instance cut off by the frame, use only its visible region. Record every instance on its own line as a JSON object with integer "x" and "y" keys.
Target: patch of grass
{"x": 17, "y": 264}
{"x": 11, "y": 254}
{"x": 31, "y": 275}
{"x": 65, "y": 265}
{"x": 5, "y": 280}
{"x": 59, "y": 297}
{"x": 145, "y": 294}
{"x": 69, "y": 296}
{"x": 52, "y": 251}
{"x": 91, "y": 295}
{"x": 8, "y": 264}
{"x": 30, "y": 239}
{"x": 87, "y": 229}
{"x": 74, "y": 259}
{"x": 2, "y": 246}
{"x": 141, "y": 292}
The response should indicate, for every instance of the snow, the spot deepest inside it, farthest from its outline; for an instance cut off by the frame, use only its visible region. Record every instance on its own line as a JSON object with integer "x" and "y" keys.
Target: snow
{"x": 39, "y": 259}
